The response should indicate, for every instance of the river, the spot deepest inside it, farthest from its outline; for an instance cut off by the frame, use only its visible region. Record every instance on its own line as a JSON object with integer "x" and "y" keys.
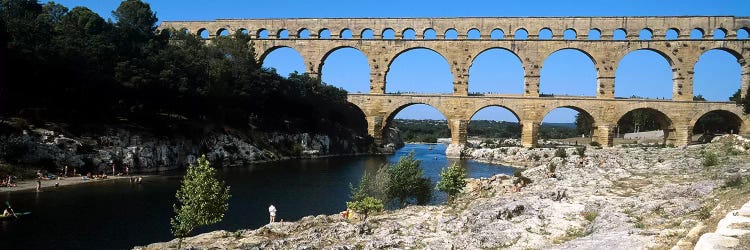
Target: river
{"x": 120, "y": 215}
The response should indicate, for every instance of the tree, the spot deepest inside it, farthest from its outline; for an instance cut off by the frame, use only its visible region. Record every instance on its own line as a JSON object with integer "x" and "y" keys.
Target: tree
{"x": 201, "y": 199}
{"x": 452, "y": 181}
{"x": 584, "y": 123}
{"x": 406, "y": 181}
{"x": 699, "y": 98}
{"x": 365, "y": 206}
{"x": 373, "y": 184}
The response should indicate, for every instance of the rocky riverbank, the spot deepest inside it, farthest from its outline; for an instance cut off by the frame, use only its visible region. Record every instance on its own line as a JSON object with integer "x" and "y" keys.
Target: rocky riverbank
{"x": 612, "y": 198}
{"x": 143, "y": 151}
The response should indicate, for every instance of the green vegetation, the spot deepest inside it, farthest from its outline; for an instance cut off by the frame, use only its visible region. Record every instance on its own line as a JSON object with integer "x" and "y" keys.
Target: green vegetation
{"x": 710, "y": 159}
{"x": 560, "y": 152}
{"x": 201, "y": 199}
{"x": 581, "y": 151}
{"x": 406, "y": 181}
{"x": 452, "y": 181}
{"x": 396, "y": 183}
{"x": 365, "y": 206}
{"x": 73, "y": 66}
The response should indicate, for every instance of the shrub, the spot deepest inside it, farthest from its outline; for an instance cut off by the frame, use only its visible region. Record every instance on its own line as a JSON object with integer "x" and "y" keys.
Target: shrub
{"x": 560, "y": 152}
{"x": 734, "y": 181}
{"x": 710, "y": 159}
{"x": 551, "y": 168}
{"x": 590, "y": 216}
{"x": 201, "y": 199}
{"x": 581, "y": 151}
{"x": 406, "y": 181}
{"x": 536, "y": 157}
{"x": 365, "y": 206}
{"x": 595, "y": 144}
{"x": 452, "y": 181}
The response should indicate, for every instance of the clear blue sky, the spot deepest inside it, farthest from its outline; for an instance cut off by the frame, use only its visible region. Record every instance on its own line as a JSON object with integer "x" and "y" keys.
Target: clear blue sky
{"x": 717, "y": 74}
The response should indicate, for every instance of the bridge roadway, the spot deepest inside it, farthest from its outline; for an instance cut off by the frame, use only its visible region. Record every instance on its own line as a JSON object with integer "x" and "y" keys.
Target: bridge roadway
{"x": 677, "y": 118}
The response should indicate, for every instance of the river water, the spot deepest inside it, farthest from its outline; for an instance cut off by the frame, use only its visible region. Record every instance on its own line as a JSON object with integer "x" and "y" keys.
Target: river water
{"x": 120, "y": 215}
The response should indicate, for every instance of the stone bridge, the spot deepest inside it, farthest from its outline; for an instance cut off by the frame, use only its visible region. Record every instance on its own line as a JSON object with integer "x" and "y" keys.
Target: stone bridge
{"x": 605, "y": 40}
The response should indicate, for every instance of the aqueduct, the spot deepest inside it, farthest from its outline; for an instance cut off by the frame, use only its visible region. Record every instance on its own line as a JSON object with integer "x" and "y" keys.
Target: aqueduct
{"x": 315, "y": 38}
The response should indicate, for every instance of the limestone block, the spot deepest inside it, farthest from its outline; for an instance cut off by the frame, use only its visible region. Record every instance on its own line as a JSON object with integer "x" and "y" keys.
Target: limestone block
{"x": 715, "y": 241}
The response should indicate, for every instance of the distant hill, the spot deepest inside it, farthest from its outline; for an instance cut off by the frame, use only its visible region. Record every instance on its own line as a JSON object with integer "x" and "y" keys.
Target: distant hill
{"x": 429, "y": 130}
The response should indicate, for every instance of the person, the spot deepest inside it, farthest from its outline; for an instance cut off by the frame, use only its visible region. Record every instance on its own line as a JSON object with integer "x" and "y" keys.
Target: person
{"x": 6, "y": 213}
{"x": 65, "y": 171}
{"x": 113, "y": 170}
{"x": 272, "y": 213}
{"x": 38, "y": 184}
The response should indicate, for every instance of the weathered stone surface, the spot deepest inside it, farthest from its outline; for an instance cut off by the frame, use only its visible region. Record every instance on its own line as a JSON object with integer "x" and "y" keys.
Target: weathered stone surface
{"x": 715, "y": 241}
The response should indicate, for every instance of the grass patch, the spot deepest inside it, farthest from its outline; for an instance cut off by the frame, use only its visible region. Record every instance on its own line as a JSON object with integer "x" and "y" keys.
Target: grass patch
{"x": 710, "y": 159}
{"x": 570, "y": 234}
{"x": 560, "y": 152}
{"x": 590, "y": 216}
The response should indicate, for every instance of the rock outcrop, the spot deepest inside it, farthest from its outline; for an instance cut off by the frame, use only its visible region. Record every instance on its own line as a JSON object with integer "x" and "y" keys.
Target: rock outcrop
{"x": 614, "y": 198}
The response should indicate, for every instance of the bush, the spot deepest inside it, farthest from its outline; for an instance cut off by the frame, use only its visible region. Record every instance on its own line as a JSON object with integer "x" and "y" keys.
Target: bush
{"x": 452, "y": 181}
{"x": 734, "y": 181}
{"x": 365, "y": 206}
{"x": 590, "y": 216}
{"x": 595, "y": 144}
{"x": 710, "y": 159}
{"x": 560, "y": 152}
{"x": 551, "y": 168}
{"x": 581, "y": 151}
{"x": 406, "y": 181}
{"x": 201, "y": 199}
{"x": 536, "y": 157}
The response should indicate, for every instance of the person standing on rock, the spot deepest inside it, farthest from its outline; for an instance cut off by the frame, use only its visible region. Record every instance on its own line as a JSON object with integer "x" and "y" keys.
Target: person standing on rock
{"x": 113, "y": 169}
{"x": 272, "y": 213}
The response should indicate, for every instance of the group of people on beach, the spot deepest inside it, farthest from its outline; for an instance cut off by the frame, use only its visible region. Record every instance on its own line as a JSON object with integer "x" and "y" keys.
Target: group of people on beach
{"x": 8, "y": 181}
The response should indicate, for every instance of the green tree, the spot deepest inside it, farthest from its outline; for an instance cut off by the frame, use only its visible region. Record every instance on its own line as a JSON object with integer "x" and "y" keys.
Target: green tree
{"x": 365, "y": 206}
{"x": 201, "y": 199}
{"x": 373, "y": 184}
{"x": 452, "y": 180}
{"x": 406, "y": 181}
{"x": 584, "y": 123}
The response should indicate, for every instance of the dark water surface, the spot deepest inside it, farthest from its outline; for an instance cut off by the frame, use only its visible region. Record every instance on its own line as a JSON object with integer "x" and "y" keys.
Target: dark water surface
{"x": 120, "y": 215}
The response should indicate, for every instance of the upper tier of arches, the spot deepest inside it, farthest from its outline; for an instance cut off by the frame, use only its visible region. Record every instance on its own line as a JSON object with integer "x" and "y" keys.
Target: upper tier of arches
{"x": 554, "y": 28}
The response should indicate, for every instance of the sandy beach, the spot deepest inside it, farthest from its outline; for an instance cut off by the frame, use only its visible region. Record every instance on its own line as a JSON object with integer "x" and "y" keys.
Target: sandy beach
{"x": 46, "y": 184}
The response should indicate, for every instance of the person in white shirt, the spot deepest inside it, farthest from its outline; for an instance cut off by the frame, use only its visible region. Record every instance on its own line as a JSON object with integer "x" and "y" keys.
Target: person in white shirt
{"x": 272, "y": 212}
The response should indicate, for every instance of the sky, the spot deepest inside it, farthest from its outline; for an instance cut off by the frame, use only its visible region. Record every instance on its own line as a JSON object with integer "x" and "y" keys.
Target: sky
{"x": 643, "y": 73}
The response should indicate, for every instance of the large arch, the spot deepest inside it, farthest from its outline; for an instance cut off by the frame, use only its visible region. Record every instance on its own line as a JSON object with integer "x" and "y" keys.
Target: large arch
{"x": 346, "y": 67}
{"x": 646, "y": 119}
{"x": 421, "y": 111}
{"x": 494, "y": 121}
{"x": 283, "y": 59}
{"x": 645, "y": 69}
{"x": 493, "y": 68}
{"x": 402, "y": 72}
{"x": 558, "y": 119}
{"x": 568, "y": 71}
{"x": 707, "y": 124}
{"x": 718, "y": 74}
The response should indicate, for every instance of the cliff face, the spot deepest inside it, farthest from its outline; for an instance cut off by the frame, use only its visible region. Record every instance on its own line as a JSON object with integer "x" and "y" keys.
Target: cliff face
{"x": 142, "y": 151}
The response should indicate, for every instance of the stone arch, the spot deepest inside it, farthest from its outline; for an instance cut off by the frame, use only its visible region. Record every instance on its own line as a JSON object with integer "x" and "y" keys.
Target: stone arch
{"x": 742, "y": 33}
{"x": 585, "y": 53}
{"x": 388, "y": 33}
{"x": 672, "y": 34}
{"x": 473, "y": 33}
{"x": 331, "y": 51}
{"x": 646, "y": 34}
{"x": 521, "y": 34}
{"x": 720, "y": 34}
{"x": 570, "y": 34}
{"x": 261, "y": 33}
{"x": 619, "y": 34}
{"x": 700, "y": 75}
{"x": 660, "y": 117}
{"x": 732, "y": 121}
{"x": 395, "y": 56}
{"x": 303, "y": 33}
{"x": 268, "y": 51}
{"x": 345, "y": 33}
{"x": 697, "y": 33}
{"x": 594, "y": 34}
{"x": 408, "y": 34}
{"x": 479, "y": 108}
{"x": 282, "y": 34}
{"x": 202, "y": 33}
{"x": 586, "y": 112}
{"x": 450, "y": 33}
{"x": 497, "y": 33}
{"x": 222, "y": 32}
{"x": 666, "y": 57}
{"x": 324, "y": 33}
{"x": 545, "y": 34}
{"x": 471, "y": 81}
{"x": 357, "y": 111}
{"x": 394, "y": 110}
{"x": 367, "y": 34}
{"x": 429, "y": 33}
